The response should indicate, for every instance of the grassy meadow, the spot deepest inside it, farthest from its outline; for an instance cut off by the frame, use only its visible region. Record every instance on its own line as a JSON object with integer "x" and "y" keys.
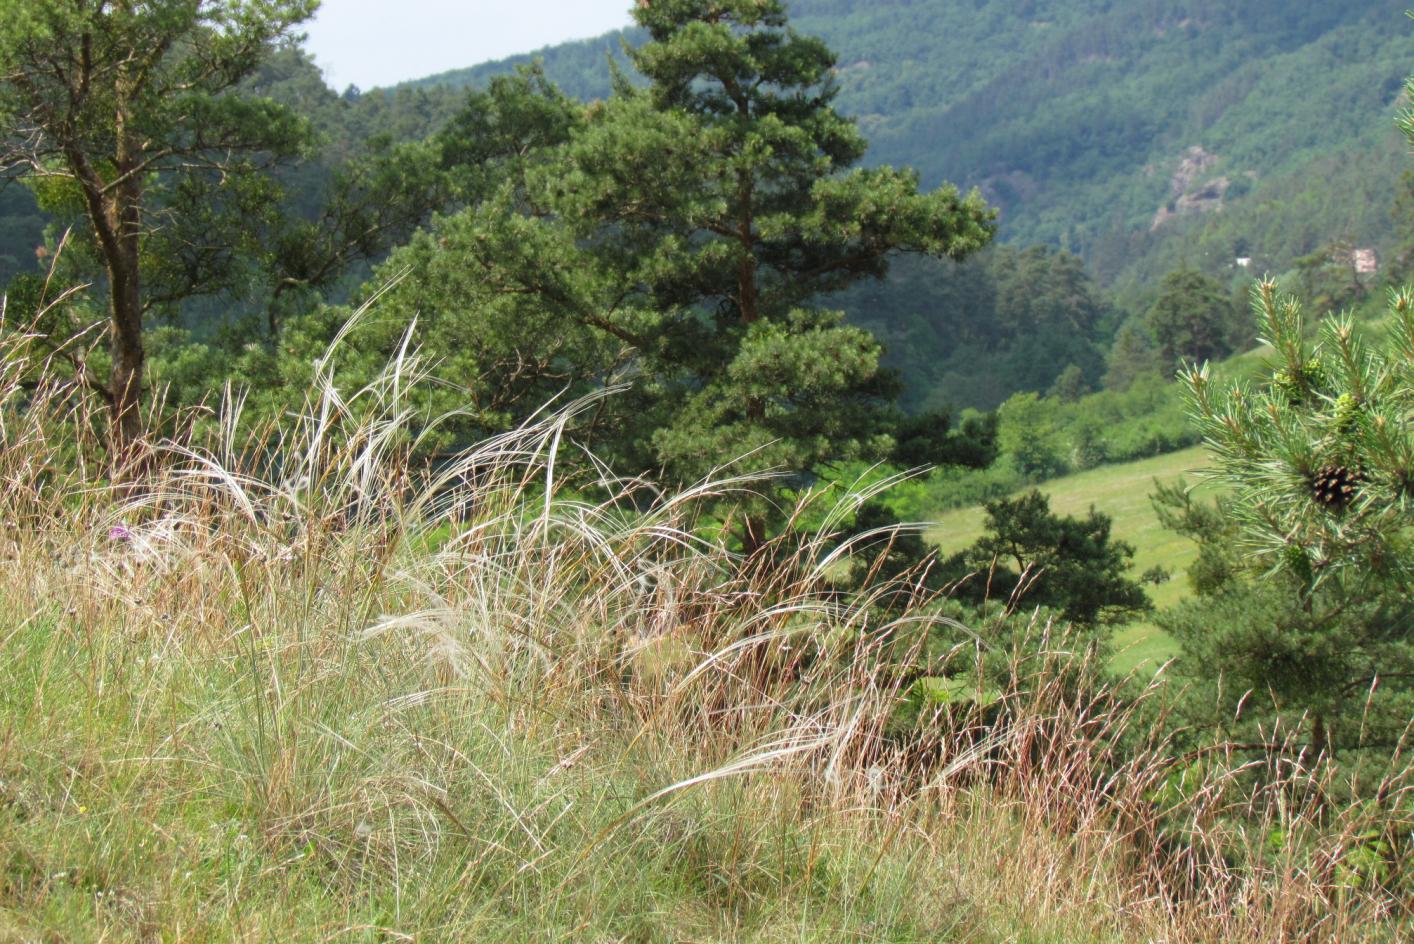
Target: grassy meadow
{"x": 1122, "y": 492}
{"x": 247, "y": 696}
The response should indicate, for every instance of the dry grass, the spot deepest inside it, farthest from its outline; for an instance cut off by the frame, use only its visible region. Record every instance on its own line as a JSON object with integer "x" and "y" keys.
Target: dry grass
{"x": 296, "y": 687}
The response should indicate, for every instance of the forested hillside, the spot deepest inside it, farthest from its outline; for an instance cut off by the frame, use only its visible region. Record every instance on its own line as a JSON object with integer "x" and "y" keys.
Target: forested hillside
{"x": 1140, "y": 137}
{"x": 1118, "y": 131}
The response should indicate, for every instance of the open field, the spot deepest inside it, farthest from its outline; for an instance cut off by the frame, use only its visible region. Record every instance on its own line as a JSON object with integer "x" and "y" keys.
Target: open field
{"x": 1122, "y": 492}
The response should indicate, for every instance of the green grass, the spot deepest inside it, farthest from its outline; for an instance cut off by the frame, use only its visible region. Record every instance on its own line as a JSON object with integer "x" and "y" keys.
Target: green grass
{"x": 1122, "y": 492}
{"x": 231, "y": 710}
{"x": 204, "y": 743}
{"x": 163, "y": 789}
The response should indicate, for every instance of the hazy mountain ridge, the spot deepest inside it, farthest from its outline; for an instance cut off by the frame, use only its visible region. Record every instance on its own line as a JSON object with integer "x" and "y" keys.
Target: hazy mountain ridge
{"x": 1072, "y": 115}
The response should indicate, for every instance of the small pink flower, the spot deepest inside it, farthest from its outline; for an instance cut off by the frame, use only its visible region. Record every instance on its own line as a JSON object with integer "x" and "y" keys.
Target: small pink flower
{"x": 119, "y": 533}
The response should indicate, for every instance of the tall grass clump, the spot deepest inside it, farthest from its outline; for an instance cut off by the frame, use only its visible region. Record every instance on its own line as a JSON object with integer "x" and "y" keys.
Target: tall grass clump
{"x": 297, "y": 682}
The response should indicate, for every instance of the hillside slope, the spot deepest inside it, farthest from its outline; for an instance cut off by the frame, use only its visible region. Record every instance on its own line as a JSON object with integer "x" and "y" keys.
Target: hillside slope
{"x": 1122, "y": 492}
{"x": 1138, "y": 135}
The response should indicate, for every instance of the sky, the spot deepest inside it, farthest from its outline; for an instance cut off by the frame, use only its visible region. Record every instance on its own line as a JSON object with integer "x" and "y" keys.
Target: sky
{"x": 370, "y": 43}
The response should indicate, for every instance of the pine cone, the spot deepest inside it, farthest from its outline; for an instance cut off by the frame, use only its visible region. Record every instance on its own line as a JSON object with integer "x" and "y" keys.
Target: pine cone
{"x": 1335, "y": 486}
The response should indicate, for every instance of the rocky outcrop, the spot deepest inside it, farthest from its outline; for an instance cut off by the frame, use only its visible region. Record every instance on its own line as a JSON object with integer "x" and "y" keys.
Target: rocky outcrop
{"x": 1186, "y": 194}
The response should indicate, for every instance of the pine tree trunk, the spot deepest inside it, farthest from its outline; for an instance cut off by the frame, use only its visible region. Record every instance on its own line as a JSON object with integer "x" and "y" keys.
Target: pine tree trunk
{"x": 748, "y": 292}
{"x": 115, "y": 215}
{"x": 1320, "y": 739}
{"x": 748, "y": 297}
{"x": 121, "y": 204}
{"x": 125, "y": 337}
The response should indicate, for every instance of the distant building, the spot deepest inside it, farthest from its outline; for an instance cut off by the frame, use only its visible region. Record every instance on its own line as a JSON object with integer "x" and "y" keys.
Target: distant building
{"x": 1365, "y": 261}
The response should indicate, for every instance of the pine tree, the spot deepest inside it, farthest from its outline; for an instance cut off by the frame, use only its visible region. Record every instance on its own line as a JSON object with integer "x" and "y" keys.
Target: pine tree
{"x": 1319, "y": 461}
{"x": 1131, "y": 357}
{"x": 126, "y": 110}
{"x": 1031, "y": 557}
{"x": 684, "y": 231}
{"x": 1191, "y": 319}
{"x": 1321, "y": 456}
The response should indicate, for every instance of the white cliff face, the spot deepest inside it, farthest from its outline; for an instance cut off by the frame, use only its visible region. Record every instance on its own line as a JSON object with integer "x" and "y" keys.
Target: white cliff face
{"x": 1187, "y": 195}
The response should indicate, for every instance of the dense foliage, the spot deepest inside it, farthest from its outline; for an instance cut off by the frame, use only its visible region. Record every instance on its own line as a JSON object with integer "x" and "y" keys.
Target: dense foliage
{"x": 125, "y": 117}
{"x": 600, "y": 396}
{"x": 1192, "y": 319}
{"x": 1032, "y": 557}
{"x": 679, "y": 235}
{"x": 1320, "y": 462}
{"x": 1077, "y": 117}
{"x": 1111, "y": 133}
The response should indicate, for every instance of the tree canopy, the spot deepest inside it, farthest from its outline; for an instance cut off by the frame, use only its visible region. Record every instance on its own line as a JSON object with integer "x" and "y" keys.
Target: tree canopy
{"x": 1192, "y": 319}
{"x": 675, "y": 236}
{"x": 127, "y": 116}
{"x": 1031, "y": 556}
